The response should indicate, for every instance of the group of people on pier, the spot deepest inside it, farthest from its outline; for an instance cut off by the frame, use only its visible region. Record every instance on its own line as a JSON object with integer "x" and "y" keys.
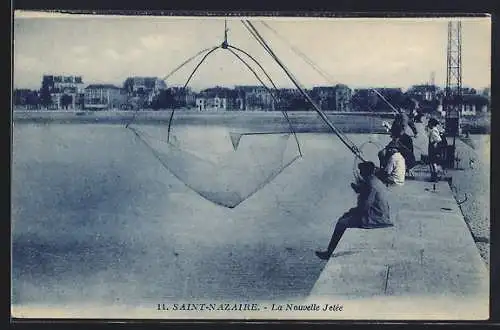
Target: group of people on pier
{"x": 396, "y": 161}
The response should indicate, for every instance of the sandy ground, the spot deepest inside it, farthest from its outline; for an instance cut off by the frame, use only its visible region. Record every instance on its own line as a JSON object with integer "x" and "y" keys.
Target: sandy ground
{"x": 472, "y": 184}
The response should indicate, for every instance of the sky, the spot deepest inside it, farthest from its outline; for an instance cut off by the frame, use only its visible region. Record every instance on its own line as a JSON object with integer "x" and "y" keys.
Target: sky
{"x": 358, "y": 52}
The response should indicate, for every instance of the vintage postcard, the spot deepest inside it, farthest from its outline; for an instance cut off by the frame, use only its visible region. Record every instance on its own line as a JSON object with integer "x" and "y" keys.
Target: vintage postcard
{"x": 245, "y": 167}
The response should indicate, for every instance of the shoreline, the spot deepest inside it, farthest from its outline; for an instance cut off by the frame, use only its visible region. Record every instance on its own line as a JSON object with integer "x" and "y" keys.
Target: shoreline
{"x": 267, "y": 121}
{"x": 271, "y": 121}
{"x": 21, "y": 114}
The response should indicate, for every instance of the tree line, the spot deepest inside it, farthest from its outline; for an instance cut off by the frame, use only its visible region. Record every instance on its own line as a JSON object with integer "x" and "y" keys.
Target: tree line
{"x": 361, "y": 100}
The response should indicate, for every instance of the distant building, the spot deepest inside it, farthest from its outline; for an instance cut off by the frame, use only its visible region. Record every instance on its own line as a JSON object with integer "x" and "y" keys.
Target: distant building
{"x": 470, "y": 101}
{"x": 423, "y": 92}
{"x": 468, "y": 91}
{"x": 219, "y": 98}
{"x": 474, "y": 104}
{"x": 212, "y": 99}
{"x": 379, "y": 99}
{"x": 143, "y": 88}
{"x": 291, "y": 99}
{"x": 289, "y": 92}
{"x": 104, "y": 97}
{"x": 335, "y": 98}
{"x": 21, "y": 96}
{"x": 364, "y": 99}
{"x": 65, "y": 91}
{"x": 394, "y": 97}
{"x": 254, "y": 98}
{"x": 159, "y": 85}
{"x": 183, "y": 97}
{"x": 211, "y": 103}
{"x": 26, "y": 99}
{"x": 140, "y": 85}
{"x": 343, "y": 98}
{"x": 324, "y": 96}
{"x": 468, "y": 110}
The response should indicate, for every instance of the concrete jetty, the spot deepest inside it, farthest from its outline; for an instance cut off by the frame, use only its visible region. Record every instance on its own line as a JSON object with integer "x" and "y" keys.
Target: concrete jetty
{"x": 428, "y": 256}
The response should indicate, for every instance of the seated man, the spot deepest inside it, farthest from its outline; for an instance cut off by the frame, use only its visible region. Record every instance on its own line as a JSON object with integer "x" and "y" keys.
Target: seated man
{"x": 404, "y": 143}
{"x": 371, "y": 211}
{"x": 383, "y": 155}
{"x": 395, "y": 169}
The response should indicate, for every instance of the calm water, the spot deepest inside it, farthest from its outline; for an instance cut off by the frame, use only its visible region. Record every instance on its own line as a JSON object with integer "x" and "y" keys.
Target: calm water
{"x": 96, "y": 218}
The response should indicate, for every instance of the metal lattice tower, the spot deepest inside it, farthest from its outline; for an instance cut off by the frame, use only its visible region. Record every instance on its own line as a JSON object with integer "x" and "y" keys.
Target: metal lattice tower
{"x": 453, "y": 101}
{"x": 453, "y": 93}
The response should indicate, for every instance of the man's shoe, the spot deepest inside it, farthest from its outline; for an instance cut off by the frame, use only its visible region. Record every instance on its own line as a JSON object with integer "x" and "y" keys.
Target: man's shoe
{"x": 324, "y": 255}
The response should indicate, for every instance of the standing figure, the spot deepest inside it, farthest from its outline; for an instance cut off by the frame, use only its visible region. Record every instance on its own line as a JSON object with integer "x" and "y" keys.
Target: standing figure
{"x": 405, "y": 147}
{"x": 371, "y": 211}
{"x": 401, "y": 121}
{"x": 434, "y": 147}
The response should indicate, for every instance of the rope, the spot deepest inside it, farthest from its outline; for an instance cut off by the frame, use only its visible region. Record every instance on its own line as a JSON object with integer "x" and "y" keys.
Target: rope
{"x": 210, "y": 50}
{"x": 184, "y": 87}
{"x": 268, "y": 90}
{"x": 261, "y": 40}
{"x": 328, "y": 77}
{"x": 351, "y": 146}
{"x": 302, "y": 55}
{"x": 249, "y": 67}
{"x": 186, "y": 62}
{"x": 256, "y": 62}
{"x": 323, "y": 73}
{"x": 168, "y": 76}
